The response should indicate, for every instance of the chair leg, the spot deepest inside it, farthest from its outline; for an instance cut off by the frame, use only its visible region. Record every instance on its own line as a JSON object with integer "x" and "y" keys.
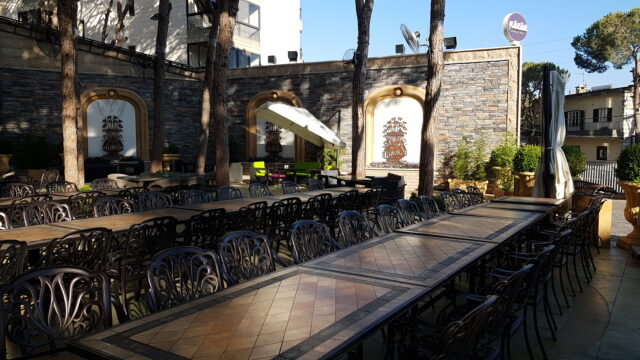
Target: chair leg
{"x": 537, "y": 329}
{"x": 566, "y": 268}
{"x": 551, "y": 321}
{"x": 564, "y": 291}
{"x": 585, "y": 267}
{"x": 555, "y": 294}
{"x": 525, "y": 331}
{"x": 575, "y": 271}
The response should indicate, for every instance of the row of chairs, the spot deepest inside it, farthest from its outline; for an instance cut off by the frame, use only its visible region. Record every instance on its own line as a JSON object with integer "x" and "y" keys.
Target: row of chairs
{"x": 459, "y": 199}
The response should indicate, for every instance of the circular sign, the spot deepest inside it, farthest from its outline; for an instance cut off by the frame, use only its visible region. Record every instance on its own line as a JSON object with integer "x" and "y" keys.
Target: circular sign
{"x": 515, "y": 27}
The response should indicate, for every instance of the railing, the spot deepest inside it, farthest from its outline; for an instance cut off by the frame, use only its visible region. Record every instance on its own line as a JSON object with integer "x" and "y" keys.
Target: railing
{"x": 197, "y": 22}
{"x": 602, "y": 173}
{"x": 609, "y": 126}
{"x": 246, "y": 31}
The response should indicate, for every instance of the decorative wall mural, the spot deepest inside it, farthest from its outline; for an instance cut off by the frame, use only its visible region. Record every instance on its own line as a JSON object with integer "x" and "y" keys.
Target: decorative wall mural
{"x": 395, "y": 148}
{"x": 394, "y": 137}
{"x": 112, "y": 138}
{"x": 272, "y": 141}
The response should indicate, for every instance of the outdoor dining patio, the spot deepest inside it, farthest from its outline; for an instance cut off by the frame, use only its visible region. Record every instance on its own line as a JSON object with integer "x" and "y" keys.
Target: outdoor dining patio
{"x": 288, "y": 271}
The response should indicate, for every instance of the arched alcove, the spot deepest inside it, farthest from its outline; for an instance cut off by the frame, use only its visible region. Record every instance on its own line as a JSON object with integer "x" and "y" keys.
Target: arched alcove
{"x": 251, "y": 120}
{"x": 128, "y": 101}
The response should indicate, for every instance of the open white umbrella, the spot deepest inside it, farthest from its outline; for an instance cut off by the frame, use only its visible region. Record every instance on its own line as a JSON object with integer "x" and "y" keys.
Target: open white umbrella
{"x": 301, "y": 122}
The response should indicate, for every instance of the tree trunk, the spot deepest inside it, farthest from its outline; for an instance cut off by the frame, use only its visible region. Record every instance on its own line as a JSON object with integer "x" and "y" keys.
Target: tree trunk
{"x": 122, "y": 11}
{"x": 636, "y": 98}
{"x": 67, "y": 17}
{"x": 164, "y": 9}
{"x": 364, "y": 8}
{"x": 435, "y": 67}
{"x": 227, "y": 21}
{"x": 207, "y": 85}
{"x": 106, "y": 21}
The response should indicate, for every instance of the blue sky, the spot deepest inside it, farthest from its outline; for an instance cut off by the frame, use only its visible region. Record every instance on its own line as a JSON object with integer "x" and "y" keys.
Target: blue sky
{"x": 330, "y": 28}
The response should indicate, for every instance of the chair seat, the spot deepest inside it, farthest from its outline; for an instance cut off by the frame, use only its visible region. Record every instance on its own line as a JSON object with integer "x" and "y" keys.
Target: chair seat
{"x": 298, "y": 173}
{"x": 276, "y": 176}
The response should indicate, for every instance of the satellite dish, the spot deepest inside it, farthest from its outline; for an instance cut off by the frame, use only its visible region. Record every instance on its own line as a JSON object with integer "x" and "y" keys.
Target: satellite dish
{"x": 48, "y": 43}
{"x": 412, "y": 38}
{"x": 349, "y": 56}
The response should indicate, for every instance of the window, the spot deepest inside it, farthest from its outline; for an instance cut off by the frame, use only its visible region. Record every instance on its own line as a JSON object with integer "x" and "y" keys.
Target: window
{"x": 36, "y": 17}
{"x": 243, "y": 58}
{"x": 601, "y": 153}
{"x": 574, "y": 119}
{"x": 602, "y": 115}
{"x": 197, "y": 54}
{"x": 248, "y": 14}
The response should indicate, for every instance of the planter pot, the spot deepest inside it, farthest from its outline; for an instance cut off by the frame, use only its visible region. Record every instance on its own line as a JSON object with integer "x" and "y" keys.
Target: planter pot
{"x": 331, "y": 173}
{"x": 631, "y": 213}
{"x": 462, "y": 184}
{"x": 168, "y": 161}
{"x": 523, "y": 183}
{"x": 4, "y": 162}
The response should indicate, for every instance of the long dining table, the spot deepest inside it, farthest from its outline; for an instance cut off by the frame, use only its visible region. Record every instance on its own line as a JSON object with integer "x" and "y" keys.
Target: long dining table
{"x": 319, "y": 309}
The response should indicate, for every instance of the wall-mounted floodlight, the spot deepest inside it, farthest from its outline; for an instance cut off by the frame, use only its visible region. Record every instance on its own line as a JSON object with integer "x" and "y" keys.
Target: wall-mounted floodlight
{"x": 450, "y": 43}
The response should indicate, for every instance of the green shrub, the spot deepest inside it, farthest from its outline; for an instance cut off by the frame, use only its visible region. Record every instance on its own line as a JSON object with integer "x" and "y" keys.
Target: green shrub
{"x": 527, "y": 158}
{"x": 469, "y": 163}
{"x": 576, "y": 158}
{"x": 629, "y": 164}
{"x": 502, "y": 157}
{"x": 330, "y": 159}
{"x": 85, "y": 187}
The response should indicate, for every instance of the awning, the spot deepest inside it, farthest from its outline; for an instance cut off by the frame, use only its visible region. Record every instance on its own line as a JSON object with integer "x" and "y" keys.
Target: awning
{"x": 301, "y": 122}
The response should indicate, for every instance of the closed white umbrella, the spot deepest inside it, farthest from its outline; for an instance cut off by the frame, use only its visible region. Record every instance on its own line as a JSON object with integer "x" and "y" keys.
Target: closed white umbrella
{"x": 301, "y": 122}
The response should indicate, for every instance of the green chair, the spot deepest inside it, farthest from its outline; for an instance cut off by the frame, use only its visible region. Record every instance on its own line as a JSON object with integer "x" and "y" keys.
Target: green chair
{"x": 304, "y": 169}
{"x": 260, "y": 172}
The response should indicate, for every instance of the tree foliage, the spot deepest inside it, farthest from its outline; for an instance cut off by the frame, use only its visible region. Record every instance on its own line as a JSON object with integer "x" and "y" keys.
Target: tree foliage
{"x": 628, "y": 168}
{"x": 531, "y": 91}
{"x": 576, "y": 159}
{"x": 527, "y": 158}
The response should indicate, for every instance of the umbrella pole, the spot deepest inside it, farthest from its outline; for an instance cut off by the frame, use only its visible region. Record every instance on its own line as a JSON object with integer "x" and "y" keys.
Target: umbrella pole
{"x": 547, "y": 113}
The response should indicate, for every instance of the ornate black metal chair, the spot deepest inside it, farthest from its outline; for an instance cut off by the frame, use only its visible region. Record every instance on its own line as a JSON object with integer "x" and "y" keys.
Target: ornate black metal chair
{"x": 181, "y": 274}
{"x": 141, "y": 243}
{"x": 340, "y": 203}
{"x": 280, "y": 216}
{"x": 311, "y": 239}
{"x": 5, "y": 223}
{"x": 82, "y": 203}
{"x": 61, "y": 187}
{"x": 12, "y": 256}
{"x": 387, "y": 219}
{"x": 154, "y": 200}
{"x": 451, "y": 202}
{"x": 12, "y": 179}
{"x": 212, "y": 190}
{"x": 229, "y": 193}
{"x": 317, "y": 208}
{"x": 104, "y": 184}
{"x": 252, "y": 217}
{"x": 315, "y": 184}
{"x": 367, "y": 202}
{"x": 16, "y": 216}
{"x": 48, "y": 176}
{"x": 355, "y": 228}
{"x": 409, "y": 212}
{"x": 88, "y": 248}
{"x": 430, "y": 206}
{"x": 244, "y": 256}
{"x": 194, "y": 196}
{"x": 17, "y": 189}
{"x": 109, "y": 205}
{"x": 176, "y": 193}
{"x": 258, "y": 190}
{"x": 475, "y": 195}
{"x": 205, "y": 230}
{"x": 463, "y": 197}
{"x": 132, "y": 194}
{"x": 289, "y": 187}
{"x": 48, "y": 305}
{"x": 46, "y": 212}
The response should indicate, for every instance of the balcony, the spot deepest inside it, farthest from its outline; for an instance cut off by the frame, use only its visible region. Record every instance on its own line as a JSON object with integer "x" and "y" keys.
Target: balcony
{"x": 197, "y": 21}
{"x": 247, "y": 31}
{"x": 595, "y": 129}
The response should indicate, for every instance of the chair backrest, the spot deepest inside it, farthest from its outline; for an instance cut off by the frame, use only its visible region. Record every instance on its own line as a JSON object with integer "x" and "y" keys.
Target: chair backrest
{"x": 112, "y": 205}
{"x": 260, "y": 170}
{"x": 257, "y": 190}
{"x": 345, "y": 201}
{"x": 315, "y": 184}
{"x": 289, "y": 187}
{"x": 354, "y": 227}
{"x": 281, "y": 215}
{"x": 244, "y": 256}
{"x": 317, "y": 207}
{"x": 176, "y": 193}
{"x": 229, "y": 193}
{"x": 430, "y": 206}
{"x": 205, "y": 230}
{"x": 46, "y": 212}
{"x": 463, "y": 197}
{"x": 61, "y": 187}
{"x": 18, "y": 190}
{"x": 409, "y": 212}
{"x": 451, "y": 201}
{"x": 194, "y": 196}
{"x": 252, "y": 217}
{"x": 5, "y": 223}
{"x": 154, "y": 200}
{"x": 12, "y": 256}
{"x": 82, "y": 203}
{"x": 50, "y": 176}
{"x": 311, "y": 239}
{"x": 45, "y": 305}
{"x": 25, "y": 179}
{"x": 369, "y": 200}
{"x": 387, "y": 219}
{"x": 104, "y": 184}
{"x": 133, "y": 194}
{"x": 88, "y": 248}
{"x": 475, "y": 195}
{"x": 181, "y": 274}
{"x": 605, "y": 192}
{"x": 16, "y": 216}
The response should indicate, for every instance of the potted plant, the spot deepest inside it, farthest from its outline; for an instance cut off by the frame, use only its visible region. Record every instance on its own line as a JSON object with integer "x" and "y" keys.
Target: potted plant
{"x": 6, "y": 151}
{"x": 170, "y": 154}
{"x": 525, "y": 163}
{"x": 576, "y": 158}
{"x": 628, "y": 172}
{"x": 330, "y": 162}
{"x": 469, "y": 165}
{"x": 500, "y": 166}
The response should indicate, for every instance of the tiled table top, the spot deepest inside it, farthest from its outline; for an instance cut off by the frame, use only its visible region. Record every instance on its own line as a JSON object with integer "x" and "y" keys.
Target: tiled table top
{"x": 123, "y": 222}
{"x": 521, "y": 207}
{"x": 36, "y": 235}
{"x": 296, "y": 313}
{"x": 416, "y": 259}
{"x": 495, "y": 230}
{"x": 529, "y": 200}
{"x": 483, "y": 210}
